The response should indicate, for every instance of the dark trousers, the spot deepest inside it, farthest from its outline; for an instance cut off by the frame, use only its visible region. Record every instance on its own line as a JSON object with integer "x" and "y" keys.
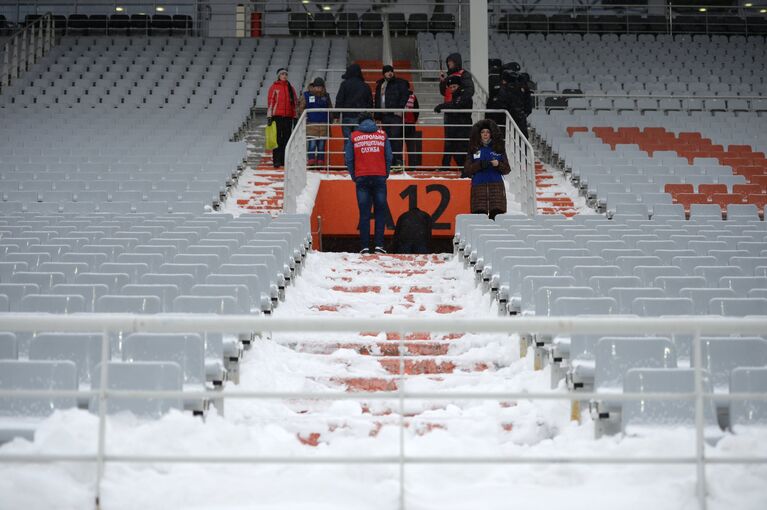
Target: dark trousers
{"x": 414, "y": 146}
{"x": 521, "y": 121}
{"x": 455, "y": 149}
{"x": 392, "y": 126}
{"x": 371, "y": 192}
{"x": 456, "y": 143}
{"x": 284, "y": 129}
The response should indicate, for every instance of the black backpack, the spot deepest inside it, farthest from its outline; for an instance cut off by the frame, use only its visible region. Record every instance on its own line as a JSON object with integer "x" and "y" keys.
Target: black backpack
{"x": 413, "y": 232}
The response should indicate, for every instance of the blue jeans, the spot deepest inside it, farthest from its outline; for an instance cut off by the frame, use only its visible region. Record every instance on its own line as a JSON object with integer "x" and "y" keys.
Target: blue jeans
{"x": 371, "y": 191}
{"x": 317, "y": 149}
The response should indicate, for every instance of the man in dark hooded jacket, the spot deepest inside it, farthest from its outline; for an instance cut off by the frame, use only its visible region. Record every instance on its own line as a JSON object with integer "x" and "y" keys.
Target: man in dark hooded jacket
{"x": 458, "y": 124}
{"x": 353, "y": 93}
{"x": 392, "y": 92}
{"x": 454, "y": 63}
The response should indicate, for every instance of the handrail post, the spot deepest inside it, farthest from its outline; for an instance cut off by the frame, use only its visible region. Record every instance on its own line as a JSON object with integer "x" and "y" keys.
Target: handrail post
{"x": 700, "y": 445}
{"x": 102, "y": 430}
{"x": 49, "y": 34}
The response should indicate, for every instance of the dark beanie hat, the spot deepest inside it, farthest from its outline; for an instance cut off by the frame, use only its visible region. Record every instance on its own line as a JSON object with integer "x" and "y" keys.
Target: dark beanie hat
{"x": 318, "y": 82}
{"x": 387, "y": 68}
{"x": 281, "y": 69}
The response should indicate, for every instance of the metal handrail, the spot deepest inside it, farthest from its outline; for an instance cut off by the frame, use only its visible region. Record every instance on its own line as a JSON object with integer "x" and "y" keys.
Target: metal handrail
{"x": 129, "y": 323}
{"x": 518, "y": 149}
{"x": 25, "y": 47}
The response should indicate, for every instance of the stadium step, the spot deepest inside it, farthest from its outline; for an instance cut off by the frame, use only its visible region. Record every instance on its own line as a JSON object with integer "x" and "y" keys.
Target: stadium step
{"x": 554, "y": 194}
{"x": 351, "y": 285}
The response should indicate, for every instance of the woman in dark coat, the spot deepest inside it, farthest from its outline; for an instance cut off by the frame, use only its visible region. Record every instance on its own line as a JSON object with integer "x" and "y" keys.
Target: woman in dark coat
{"x": 486, "y": 164}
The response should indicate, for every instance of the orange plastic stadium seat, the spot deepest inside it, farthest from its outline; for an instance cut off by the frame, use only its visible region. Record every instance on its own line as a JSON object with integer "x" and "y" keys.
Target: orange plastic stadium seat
{"x": 747, "y": 189}
{"x": 712, "y": 189}
{"x": 688, "y": 138}
{"x": 761, "y": 180}
{"x": 576, "y": 129}
{"x": 758, "y": 200}
{"x": 676, "y": 189}
{"x": 687, "y": 199}
{"x": 749, "y": 172}
{"x": 744, "y": 150}
{"x": 655, "y": 133}
{"x": 724, "y": 199}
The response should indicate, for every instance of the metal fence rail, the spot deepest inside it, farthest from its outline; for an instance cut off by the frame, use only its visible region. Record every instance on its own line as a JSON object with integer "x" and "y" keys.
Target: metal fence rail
{"x": 518, "y": 149}
{"x": 25, "y": 47}
{"x": 126, "y": 323}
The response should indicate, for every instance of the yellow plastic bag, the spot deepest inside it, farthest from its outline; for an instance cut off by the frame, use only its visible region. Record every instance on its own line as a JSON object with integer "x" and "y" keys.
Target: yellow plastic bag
{"x": 271, "y": 136}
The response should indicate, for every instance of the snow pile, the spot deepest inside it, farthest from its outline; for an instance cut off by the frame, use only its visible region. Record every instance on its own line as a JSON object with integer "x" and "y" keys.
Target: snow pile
{"x": 301, "y": 362}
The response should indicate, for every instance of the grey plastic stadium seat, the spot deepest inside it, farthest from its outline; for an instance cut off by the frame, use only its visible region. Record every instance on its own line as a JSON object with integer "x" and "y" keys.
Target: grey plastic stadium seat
{"x": 33, "y": 375}
{"x": 186, "y": 350}
{"x": 743, "y": 284}
{"x": 9, "y": 348}
{"x": 84, "y": 350}
{"x": 701, "y": 297}
{"x": 49, "y": 303}
{"x": 205, "y": 304}
{"x": 738, "y": 307}
{"x": 721, "y": 355}
{"x": 714, "y": 274}
{"x": 183, "y": 282}
{"x": 140, "y": 376}
{"x": 166, "y": 293}
{"x": 89, "y": 293}
{"x": 746, "y": 413}
{"x": 43, "y": 280}
{"x": 640, "y": 416}
{"x": 673, "y": 284}
{"x": 546, "y": 296}
{"x": 614, "y": 356}
{"x": 531, "y": 283}
{"x": 240, "y": 293}
{"x": 16, "y": 291}
{"x": 661, "y": 306}
{"x": 625, "y": 296}
{"x": 128, "y": 304}
{"x": 113, "y": 281}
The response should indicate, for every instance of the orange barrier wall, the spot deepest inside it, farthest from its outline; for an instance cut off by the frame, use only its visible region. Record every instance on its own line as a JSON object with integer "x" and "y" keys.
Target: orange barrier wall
{"x": 336, "y": 203}
{"x": 433, "y": 144}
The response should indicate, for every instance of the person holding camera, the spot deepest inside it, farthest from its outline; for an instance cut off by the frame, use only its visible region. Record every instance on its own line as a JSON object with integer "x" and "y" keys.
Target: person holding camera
{"x": 457, "y": 124}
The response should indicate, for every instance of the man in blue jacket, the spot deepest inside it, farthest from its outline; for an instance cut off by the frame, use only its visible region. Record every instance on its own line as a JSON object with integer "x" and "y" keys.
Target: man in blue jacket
{"x": 368, "y": 157}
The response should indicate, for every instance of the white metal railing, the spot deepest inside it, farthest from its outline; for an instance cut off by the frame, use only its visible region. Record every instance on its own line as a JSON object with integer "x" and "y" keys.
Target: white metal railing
{"x": 25, "y": 47}
{"x": 234, "y": 324}
{"x": 520, "y": 152}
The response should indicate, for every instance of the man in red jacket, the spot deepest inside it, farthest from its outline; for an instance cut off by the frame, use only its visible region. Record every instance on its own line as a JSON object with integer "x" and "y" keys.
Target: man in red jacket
{"x": 368, "y": 157}
{"x": 281, "y": 108}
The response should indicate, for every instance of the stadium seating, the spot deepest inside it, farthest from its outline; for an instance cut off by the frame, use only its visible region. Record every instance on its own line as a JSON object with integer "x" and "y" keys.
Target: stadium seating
{"x": 68, "y": 263}
{"x": 590, "y": 265}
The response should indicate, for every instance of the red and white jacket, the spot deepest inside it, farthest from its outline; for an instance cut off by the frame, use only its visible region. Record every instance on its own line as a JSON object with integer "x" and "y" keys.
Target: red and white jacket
{"x": 281, "y": 101}
{"x": 369, "y": 153}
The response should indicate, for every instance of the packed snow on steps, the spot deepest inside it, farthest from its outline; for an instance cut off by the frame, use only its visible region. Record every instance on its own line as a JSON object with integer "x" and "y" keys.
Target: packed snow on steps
{"x": 346, "y": 285}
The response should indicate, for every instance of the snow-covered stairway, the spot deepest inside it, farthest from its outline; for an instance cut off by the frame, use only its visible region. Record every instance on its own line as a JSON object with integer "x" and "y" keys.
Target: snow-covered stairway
{"x": 554, "y": 193}
{"x": 350, "y": 285}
